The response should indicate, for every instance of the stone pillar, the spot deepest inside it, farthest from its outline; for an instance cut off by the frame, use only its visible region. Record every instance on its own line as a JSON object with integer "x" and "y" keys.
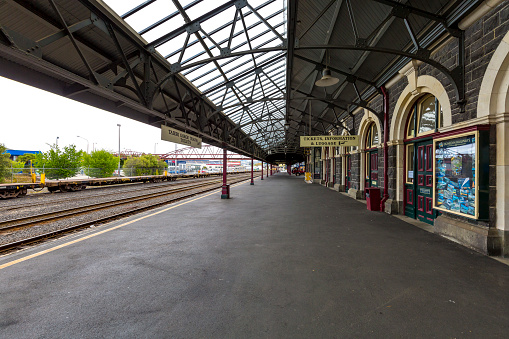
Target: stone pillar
{"x": 502, "y": 183}
{"x": 355, "y": 191}
{"x": 398, "y": 148}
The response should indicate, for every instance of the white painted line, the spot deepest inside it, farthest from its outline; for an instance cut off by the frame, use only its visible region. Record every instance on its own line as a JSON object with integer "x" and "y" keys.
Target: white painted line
{"x": 14, "y": 262}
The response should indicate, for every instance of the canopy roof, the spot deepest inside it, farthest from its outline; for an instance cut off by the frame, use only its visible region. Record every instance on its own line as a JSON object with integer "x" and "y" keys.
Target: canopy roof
{"x": 241, "y": 74}
{"x": 219, "y": 27}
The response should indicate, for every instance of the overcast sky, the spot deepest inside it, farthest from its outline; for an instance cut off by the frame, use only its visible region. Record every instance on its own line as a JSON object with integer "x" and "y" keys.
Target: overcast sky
{"x": 32, "y": 118}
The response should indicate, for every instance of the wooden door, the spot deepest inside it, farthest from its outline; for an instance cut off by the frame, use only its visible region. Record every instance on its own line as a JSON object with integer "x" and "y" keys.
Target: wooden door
{"x": 424, "y": 182}
{"x": 371, "y": 174}
{"x": 410, "y": 178}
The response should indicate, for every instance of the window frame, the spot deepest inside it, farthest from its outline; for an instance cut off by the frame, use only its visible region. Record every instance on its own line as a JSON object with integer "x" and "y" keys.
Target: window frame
{"x": 408, "y": 160}
{"x": 414, "y": 118}
{"x": 370, "y": 133}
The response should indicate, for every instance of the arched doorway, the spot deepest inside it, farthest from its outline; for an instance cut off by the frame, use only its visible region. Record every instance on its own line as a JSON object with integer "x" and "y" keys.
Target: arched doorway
{"x": 425, "y": 118}
{"x": 371, "y": 157}
{"x": 414, "y": 91}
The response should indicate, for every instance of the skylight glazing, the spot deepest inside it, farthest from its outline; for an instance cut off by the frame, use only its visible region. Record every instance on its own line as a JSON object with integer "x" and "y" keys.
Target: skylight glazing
{"x": 240, "y": 85}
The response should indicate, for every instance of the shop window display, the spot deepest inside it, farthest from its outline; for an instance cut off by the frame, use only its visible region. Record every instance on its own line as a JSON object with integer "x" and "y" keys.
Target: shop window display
{"x": 456, "y": 188}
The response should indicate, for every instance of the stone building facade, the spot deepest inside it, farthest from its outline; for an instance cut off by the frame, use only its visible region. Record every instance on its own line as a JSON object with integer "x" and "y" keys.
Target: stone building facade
{"x": 485, "y": 115}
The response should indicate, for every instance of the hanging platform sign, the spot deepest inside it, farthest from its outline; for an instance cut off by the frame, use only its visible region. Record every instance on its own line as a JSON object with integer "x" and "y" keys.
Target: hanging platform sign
{"x": 178, "y": 137}
{"x": 329, "y": 140}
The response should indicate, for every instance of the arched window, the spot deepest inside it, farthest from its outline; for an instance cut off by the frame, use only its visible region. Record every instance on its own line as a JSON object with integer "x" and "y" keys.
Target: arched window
{"x": 371, "y": 157}
{"x": 371, "y": 136}
{"x": 426, "y": 117}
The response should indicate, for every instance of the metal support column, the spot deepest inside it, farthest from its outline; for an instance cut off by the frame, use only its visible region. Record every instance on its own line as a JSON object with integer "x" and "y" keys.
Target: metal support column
{"x": 225, "y": 191}
{"x": 252, "y": 182}
{"x": 262, "y": 170}
{"x": 288, "y": 170}
{"x": 271, "y": 169}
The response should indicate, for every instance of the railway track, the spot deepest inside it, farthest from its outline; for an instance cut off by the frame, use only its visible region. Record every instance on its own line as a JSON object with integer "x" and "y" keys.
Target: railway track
{"x": 15, "y": 225}
{"x": 127, "y": 189}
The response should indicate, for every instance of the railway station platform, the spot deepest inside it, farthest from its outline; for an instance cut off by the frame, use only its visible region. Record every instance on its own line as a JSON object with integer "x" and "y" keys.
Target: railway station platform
{"x": 280, "y": 259}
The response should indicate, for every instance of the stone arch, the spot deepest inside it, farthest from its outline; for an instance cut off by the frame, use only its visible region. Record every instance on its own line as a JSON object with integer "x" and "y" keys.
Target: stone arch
{"x": 366, "y": 121}
{"x": 425, "y": 85}
{"x": 494, "y": 91}
{"x": 421, "y": 86}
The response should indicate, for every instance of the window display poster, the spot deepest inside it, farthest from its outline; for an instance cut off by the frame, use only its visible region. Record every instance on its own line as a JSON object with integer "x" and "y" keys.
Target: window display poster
{"x": 455, "y": 188}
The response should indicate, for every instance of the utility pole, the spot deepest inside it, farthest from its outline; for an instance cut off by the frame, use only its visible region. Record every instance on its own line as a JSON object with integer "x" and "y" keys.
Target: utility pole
{"x": 85, "y": 140}
{"x": 118, "y": 149}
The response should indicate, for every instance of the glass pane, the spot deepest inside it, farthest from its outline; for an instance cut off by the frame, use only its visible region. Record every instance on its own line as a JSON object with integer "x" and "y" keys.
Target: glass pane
{"x": 375, "y": 135}
{"x": 410, "y": 163}
{"x": 368, "y": 139}
{"x": 410, "y": 131}
{"x": 441, "y": 120}
{"x": 368, "y": 165}
{"x": 455, "y": 189}
{"x": 427, "y": 115}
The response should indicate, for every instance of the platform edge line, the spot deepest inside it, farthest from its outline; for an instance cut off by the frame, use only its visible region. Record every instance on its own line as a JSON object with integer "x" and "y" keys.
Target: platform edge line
{"x": 31, "y": 256}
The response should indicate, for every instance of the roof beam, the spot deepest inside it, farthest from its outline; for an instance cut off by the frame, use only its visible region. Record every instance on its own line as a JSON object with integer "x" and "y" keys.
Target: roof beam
{"x": 176, "y": 32}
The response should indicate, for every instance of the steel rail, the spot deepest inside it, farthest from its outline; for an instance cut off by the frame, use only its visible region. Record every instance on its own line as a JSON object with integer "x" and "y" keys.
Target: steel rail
{"x": 157, "y": 185}
{"x": 49, "y": 216}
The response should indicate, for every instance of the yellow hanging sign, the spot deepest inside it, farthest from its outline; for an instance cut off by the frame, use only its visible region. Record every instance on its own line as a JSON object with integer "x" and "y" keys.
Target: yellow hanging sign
{"x": 329, "y": 140}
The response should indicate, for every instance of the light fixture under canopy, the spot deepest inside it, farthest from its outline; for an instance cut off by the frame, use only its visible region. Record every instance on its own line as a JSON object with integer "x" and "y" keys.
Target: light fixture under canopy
{"x": 327, "y": 79}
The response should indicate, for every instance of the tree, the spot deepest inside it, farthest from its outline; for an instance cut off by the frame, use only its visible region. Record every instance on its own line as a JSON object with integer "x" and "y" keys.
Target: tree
{"x": 146, "y": 164}
{"x": 17, "y": 164}
{"x": 100, "y": 164}
{"x": 4, "y": 163}
{"x": 27, "y": 157}
{"x": 60, "y": 164}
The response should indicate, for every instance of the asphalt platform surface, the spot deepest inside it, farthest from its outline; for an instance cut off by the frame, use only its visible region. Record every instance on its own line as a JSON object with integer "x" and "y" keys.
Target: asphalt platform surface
{"x": 280, "y": 259}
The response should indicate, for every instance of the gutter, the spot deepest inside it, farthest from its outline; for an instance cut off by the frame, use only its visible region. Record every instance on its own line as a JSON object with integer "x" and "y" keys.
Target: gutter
{"x": 479, "y": 12}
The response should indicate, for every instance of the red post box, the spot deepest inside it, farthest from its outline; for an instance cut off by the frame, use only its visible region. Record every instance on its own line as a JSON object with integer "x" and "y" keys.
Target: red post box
{"x": 373, "y": 198}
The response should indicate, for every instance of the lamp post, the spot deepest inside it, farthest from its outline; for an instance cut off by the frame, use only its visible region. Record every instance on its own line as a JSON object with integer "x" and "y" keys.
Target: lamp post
{"x": 155, "y": 145}
{"x": 118, "y": 149}
{"x": 57, "y": 141}
{"x": 93, "y": 146}
{"x": 85, "y": 140}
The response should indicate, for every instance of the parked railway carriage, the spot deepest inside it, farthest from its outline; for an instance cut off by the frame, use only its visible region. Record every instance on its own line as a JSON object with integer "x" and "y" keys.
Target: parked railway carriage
{"x": 14, "y": 190}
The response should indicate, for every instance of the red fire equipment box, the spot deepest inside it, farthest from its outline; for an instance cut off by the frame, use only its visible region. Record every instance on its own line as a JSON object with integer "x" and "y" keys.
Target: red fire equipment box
{"x": 373, "y": 198}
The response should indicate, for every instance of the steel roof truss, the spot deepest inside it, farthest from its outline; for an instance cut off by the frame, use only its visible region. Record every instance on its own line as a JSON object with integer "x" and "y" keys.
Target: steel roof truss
{"x": 232, "y": 36}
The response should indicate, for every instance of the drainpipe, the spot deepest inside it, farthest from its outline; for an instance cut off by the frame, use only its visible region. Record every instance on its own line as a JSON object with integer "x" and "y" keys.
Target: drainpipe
{"x": 252, "y": 181}
{"x": 386, "y": 140}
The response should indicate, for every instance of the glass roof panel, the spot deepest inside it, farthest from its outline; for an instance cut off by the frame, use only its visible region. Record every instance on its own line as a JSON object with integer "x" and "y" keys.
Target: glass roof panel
{"x": 249, "y": 76}
{"x": 122, "y": 6}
